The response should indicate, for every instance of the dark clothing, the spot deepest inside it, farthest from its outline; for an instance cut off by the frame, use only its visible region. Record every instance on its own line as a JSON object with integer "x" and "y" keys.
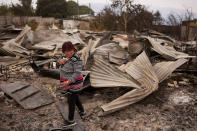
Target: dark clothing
{"x": 73, "y": 99}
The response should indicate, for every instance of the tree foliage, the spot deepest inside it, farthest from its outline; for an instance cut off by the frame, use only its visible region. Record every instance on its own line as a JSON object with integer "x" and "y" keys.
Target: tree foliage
{"x": 83, "y": 9}
{"x": 73, "y": 8}
{"x": 52, "y": 8}
{"x": 60, "y": 8}
{"x": 4, "y": 10}
{"x": 46, "y": 8}
{"x": 24, "y": 8}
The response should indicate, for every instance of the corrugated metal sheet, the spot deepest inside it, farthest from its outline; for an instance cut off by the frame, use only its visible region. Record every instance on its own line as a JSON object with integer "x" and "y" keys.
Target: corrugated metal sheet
{"x": 126, "y": 100}
{"x": 142, "y": 71}
{"x": 112, "y": 52}
{"x": 164, "y": 69}
{"x": 164, "y": 51}
{"x": 88, "y": 50}
{"x": 104, "y": 74}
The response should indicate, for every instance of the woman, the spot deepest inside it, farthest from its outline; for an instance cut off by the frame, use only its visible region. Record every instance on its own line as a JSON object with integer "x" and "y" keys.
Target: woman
{"x": 71, "y": 79}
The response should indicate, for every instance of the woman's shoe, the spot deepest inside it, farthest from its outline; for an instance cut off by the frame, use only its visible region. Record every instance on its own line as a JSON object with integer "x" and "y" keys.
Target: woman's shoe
{"x": 68, "y": 124}
{"x": 82, "y": 114}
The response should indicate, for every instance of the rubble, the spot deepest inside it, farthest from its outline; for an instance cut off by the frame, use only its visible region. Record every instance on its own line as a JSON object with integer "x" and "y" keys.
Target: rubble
{"x": 137, "y": 62}
{"x": 138, "y": 73}
{"x": 8, "y": 32}
{"x": 40, "y": 40}
{"x": 142, "y": 71}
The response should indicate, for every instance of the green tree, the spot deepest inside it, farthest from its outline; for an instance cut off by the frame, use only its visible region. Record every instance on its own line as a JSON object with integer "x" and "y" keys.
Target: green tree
{"x": 52, "y": 8}
{"x": 24, "y": 8}
{"x": 72, "y": 9}
{"x": 4, "y": 10}
{"x": 83, "y": 9}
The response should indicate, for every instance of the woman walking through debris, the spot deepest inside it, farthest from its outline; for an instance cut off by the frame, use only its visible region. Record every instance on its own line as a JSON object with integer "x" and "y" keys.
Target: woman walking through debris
{"x": 71, "y": 79}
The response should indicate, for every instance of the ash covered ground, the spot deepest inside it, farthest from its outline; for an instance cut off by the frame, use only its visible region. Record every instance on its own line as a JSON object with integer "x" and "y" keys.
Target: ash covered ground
{"x": 168, "y": 108}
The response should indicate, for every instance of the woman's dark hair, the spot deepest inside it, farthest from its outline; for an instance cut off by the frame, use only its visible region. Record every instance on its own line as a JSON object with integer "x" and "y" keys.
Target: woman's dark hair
{"x": 68, "y": 46}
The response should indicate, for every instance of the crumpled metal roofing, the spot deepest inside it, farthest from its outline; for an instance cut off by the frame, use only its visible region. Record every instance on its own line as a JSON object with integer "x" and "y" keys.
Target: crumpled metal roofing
{"x": 164, "y": 51}
{"x": 164, "y": 69}
{"x": 49, "y": 40}
{"x": 139, "y": 73}
{"x": 104, "y": 74}
{"x": 142, "y": 71}
{"x": 113, "y": 52}
{"x": 13, "y": 46}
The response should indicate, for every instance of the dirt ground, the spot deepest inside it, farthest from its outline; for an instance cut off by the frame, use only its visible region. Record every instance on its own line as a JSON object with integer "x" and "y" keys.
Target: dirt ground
{"x": 169, "y": 108}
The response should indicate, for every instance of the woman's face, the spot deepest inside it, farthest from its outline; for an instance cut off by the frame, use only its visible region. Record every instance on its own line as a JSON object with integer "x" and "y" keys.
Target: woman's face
{"x": 69, "y": 54}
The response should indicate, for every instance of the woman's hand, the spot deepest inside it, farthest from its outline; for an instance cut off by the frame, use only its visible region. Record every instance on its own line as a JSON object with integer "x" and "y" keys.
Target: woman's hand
{"x": 63, "y": 61}
{"x": 65, "y": 83}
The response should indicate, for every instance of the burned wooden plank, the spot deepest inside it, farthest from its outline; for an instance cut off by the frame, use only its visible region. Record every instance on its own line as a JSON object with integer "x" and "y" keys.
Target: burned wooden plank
{"x": 20, "y": 89}
{"x": 28, "y": 96}
{"x": 25, "y": 92}
{"x": 12, "y": 87}
{"x": 37, "y": 100}
{"x": 63, "y": 108}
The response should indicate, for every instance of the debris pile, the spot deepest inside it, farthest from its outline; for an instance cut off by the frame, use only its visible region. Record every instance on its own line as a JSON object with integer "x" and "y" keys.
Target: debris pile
{"x": 141, "y": 64}
{"x": 138, "y": 61}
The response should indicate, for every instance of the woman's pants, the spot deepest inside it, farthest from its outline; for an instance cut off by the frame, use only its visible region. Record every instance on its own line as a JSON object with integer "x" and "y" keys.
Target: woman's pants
{"x": 73, "y": 99}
